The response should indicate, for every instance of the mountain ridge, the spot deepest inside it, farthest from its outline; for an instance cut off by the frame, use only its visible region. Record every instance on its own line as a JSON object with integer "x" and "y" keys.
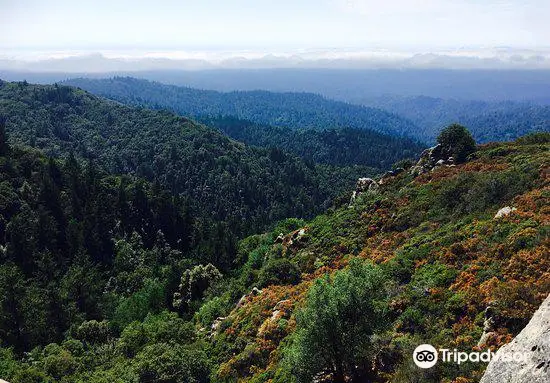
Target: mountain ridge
{"x": 290, "y": 109}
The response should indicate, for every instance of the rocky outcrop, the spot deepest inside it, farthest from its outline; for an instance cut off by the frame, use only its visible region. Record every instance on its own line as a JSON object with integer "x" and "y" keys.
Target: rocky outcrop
{"x": 489, "y": 327}
{"x": 216, "y": 325}
{"x": 281, "y": 310}
{"x": 534, "y": 343}
{"x": 505, "y": 211}
{"x": 364, "y": 185}
{"x": 432, "y": 158}
{"x": 292, "y": 238}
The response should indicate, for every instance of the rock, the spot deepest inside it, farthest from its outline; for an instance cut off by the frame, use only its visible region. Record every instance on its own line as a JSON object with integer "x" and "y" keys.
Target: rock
{"x": 363, "y": 185}
{"x": 489, "y": 325}
{"x": 279, "y": 238}
{"x": 505, "y": 211}
{"x": 533, "y": 342}
{"x": 216, "y": 324}
{"x": 431, "y": 158}
{"x": 275, "y": 315}
{"x": 294, "y": 237}
{"x": 242, "y": 301}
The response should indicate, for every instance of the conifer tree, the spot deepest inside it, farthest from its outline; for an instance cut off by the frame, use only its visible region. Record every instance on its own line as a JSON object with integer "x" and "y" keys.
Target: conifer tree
{"x": 4, "y": 146}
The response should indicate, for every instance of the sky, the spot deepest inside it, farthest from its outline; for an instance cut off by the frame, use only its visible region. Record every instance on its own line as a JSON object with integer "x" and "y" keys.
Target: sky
{"x": 272, "y": 25}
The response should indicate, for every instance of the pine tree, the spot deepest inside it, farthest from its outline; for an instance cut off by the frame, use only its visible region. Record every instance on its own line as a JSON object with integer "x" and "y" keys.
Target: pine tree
{"x": 4, "y": 146}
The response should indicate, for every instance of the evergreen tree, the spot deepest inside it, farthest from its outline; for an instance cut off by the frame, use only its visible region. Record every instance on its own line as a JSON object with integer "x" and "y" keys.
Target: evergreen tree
{"x": 457, "y": 141}
{"x": 334, "y": 330}
{"x": 4, "y": 146}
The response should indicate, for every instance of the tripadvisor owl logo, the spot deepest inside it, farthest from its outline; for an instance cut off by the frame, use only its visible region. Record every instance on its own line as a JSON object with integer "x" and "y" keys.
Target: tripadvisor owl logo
{"x": 425, "y": 356}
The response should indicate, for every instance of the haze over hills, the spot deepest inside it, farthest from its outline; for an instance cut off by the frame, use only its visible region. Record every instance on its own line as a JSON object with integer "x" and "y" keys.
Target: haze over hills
{"x": 489, "y": 121}
{"x": 498, "y": 58}
{"x": 352, "y": 85}
{"x": 291, "y": 110}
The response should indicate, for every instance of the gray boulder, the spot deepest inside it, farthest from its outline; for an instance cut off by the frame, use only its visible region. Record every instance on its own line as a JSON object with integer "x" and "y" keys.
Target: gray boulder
{"x": 364, "y": 185}
{"x": 430, "y": 158}
{"x": 533, "y": 342}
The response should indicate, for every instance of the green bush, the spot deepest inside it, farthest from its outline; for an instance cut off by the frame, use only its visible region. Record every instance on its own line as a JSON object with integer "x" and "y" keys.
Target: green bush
{"x": 193, "y": 285}
{"x": 212, "y": 309}
{"x": 169, "y": 363}
{"x": 150, "y": 299}
{"x": 534, "y": 138}
{"x": 93, "y": 331}
{"x": 279, "y": 272}
{"x": 164, "y": 327}
{"x": 457, "y": 141}
{"x": 334, "y": 330}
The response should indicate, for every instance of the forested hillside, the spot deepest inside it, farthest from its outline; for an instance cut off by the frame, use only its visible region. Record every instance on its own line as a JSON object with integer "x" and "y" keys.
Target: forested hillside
{"x": 347, "y": 296}
{"x": 231, "y": 188}
{"x": 488, "y": 121}
{"x": 419, "y": 117}
{"x": 291, "y": 110}
{"x": 341, "y": 147}
{"x": 76, "y": 243}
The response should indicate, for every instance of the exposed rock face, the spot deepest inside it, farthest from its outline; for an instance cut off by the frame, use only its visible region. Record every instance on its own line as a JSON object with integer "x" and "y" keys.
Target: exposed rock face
{"x": 216, "y": 325}
{"x": 488, "y": 326}
{"x": 294, "y": 237}
{"x": 291, "y": 238}
{"x": 432, "y": 158}
{"x": 281, "y": 310}
{"x": 505, "y": 211}
{"x": 364, "y": 185}
{"x": 534, "y": 341}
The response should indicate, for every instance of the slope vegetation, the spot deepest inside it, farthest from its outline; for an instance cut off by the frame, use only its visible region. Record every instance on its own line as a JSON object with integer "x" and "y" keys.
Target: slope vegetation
{"x": 346, "y": 296}
{"x": 423, "y": 259}
{"x": 488, "y": 121}
{"x": 340, "y": 147}
{"x": 231, "y": 188}
{"x": 291, "y": 110}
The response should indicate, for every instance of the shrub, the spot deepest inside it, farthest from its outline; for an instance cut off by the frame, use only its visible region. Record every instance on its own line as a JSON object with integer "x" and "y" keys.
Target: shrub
{"x": 150, "y": 299}
{"x": 93, "y": 332}
{"x": 534, "y": 138}
{"x": 457, "y": 141}
{"x": 166, "y": 363}
{"x": 334, "y": 330}
{"x": 214, "y": 308}
{"x": 194, "y": 283}
{"x": 164, "y": 327}
{"x": 279, "y": 272}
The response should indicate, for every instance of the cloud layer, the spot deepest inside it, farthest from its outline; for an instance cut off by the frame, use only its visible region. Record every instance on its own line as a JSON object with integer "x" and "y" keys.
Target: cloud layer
{"x": 71, "y": 61}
